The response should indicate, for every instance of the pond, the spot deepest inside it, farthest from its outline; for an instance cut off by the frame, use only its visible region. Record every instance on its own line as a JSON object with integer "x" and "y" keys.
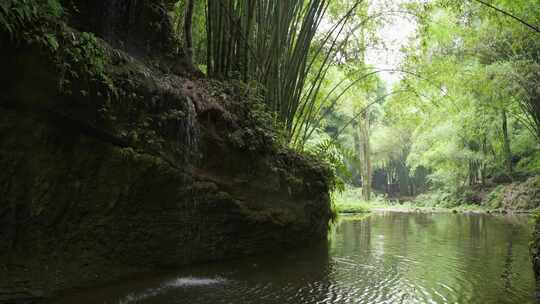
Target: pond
{"x": 386, "y": 257}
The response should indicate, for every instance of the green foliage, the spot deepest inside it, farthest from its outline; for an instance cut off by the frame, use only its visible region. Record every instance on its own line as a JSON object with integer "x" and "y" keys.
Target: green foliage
{"x": 495, "y": 197}
{"x": 535, "y": 217}
{"x": 198, "y": 30}
{"x": 80, "y": 57}
{"x": 350, "y": 201}
{"x": 289, "y": 57}
{"x": 16, "y": 14}
{"x": 530, "y": 164}
{"x": 351, "y": 207}
{"x": 334, "y": 155}
{"x": 257, "y": 120}
{"x": 353, "y": 195}
{"x": 526, "y": 148}
{"x": 456, "y": 123}
{"x": 19, "y": 17}
{"x": 83, "y": 57}
{"x": 309, "y": 86}
{"x": 437, "y": 198}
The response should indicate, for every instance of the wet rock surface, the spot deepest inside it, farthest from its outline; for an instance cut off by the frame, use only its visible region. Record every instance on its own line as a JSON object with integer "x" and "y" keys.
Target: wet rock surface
{"x": 157, "y": 171}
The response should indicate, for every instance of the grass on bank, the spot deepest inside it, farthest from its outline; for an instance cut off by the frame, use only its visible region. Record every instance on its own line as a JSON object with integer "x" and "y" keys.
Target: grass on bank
{"x": 352, "y": 207}
{"x": 350, "y": 202}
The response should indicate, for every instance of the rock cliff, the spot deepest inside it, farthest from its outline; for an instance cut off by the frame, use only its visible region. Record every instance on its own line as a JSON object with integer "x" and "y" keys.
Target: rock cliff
{"x": 116, "y": 160}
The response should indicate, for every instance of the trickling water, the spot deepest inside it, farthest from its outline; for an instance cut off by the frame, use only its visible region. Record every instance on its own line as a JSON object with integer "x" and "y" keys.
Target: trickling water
{"x": 381, "y": 258}
{"x": 119, "y": 17}
{"x": 139, "y": 27}
{"x": 188, "y": 132}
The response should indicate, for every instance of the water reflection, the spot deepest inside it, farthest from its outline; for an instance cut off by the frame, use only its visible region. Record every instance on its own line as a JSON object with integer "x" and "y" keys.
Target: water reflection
{"x": 438, "y": 258}
{"x": 382, "y": 258}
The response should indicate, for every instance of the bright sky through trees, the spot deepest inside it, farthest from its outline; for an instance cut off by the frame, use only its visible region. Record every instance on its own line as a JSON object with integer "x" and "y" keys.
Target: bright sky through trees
{"x": 399, "y": 27}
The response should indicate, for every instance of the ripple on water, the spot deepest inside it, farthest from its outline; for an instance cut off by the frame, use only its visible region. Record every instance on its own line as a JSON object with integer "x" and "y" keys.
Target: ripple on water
{"x": 181, "y": 282}
{"x": 193, "y": 281}
{"x": 419, "y": 259}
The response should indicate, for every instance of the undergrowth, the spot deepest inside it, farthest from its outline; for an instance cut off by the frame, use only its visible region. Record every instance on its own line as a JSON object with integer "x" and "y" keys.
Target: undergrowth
{"x": 80, "y": 58}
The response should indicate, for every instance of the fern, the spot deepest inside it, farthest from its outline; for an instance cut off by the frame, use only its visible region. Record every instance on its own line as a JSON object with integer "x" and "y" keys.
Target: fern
{"x": 16, "y": 15}
{"x": 54, "y": 8}
{"x": 335, "y": 156}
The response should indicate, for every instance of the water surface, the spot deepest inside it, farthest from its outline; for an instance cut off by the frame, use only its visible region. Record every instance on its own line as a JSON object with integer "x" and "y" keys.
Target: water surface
{"x": 381, "y": 258}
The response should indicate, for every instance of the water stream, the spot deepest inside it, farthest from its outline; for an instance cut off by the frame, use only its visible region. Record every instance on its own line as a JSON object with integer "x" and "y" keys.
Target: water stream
{"x": 381, "y": 258}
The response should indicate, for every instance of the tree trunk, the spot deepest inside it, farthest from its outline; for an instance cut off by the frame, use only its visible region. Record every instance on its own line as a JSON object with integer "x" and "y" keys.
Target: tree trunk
{"x": 358, "y": 151}
{"x": 482, "y": 169}
{"x": 188, "y": 31}
{"x": 365, "y": 156}
{"x": 506, "y": 144}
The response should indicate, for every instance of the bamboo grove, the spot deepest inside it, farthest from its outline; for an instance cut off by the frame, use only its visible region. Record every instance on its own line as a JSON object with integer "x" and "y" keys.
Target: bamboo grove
{"x": 272, "y": 44}
{"x": 307, "y": 62}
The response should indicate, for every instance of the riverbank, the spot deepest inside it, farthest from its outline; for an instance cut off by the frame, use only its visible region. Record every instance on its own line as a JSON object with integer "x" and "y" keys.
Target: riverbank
{"x": 460, "y": 209}
{"x": 515, "y": 197}
{"x": 364, "y": 207}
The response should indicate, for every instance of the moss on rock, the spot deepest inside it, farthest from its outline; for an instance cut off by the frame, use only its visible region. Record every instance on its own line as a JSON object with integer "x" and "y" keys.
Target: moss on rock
{"x": 113, "y": 165}
{"x": 523, "y": 195}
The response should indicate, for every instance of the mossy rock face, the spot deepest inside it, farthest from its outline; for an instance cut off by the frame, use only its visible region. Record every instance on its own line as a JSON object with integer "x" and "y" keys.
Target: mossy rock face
{"x": 515, "y": 196}
{"x": 134, "y": 169}
{"x": 141, "y": 27}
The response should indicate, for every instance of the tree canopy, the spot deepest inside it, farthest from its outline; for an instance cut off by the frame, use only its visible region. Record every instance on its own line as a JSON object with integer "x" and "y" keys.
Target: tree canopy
{"x": 465, "y": 108}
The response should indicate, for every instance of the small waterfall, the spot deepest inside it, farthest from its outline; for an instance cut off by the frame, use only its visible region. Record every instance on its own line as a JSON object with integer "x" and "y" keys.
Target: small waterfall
{"x": 119, "y": 16}
{"x": 131, "y": 25}
{"x": 175, "y": 119}
{"x": 189, "y": 133}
